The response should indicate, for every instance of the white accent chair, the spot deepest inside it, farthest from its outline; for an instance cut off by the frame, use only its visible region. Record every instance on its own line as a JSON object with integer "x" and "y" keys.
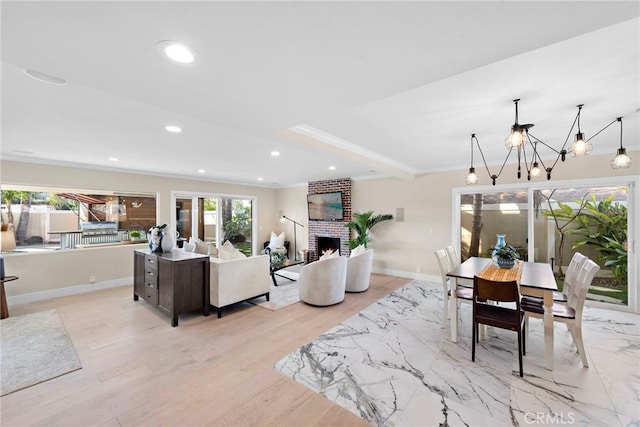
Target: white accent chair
{"x": 359, "y": 271}
{"x": 323, "y": 282}
{"x": 570, "y": 313}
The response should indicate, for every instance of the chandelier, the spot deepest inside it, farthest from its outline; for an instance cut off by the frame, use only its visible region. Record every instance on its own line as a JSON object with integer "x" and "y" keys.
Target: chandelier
{"x": 526, "y": 146}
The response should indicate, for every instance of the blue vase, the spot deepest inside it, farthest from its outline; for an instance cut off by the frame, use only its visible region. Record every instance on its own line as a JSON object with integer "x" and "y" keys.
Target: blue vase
{"x": 499, "y": 244}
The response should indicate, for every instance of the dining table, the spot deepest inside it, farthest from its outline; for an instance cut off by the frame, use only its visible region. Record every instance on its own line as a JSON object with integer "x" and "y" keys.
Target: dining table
{"x": 534, "y": 279}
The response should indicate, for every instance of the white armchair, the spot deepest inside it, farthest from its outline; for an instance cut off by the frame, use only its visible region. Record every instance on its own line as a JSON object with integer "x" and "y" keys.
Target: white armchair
{"x": 323, "y": 282}
{"x": 359, "y": 271}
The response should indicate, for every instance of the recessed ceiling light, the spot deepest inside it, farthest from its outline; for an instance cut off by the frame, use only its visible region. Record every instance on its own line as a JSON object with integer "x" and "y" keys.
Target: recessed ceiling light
{"x": 46, "y": 78}
{"x": 114, "y": 159}
{"x": 332, "y": 168}
{"x": 201, "y": 171}
{"x": 275, "y": 153}
{"x": 178, "y": 52}
{"x": 173, "y": 129}
{"x": 260, "y": 178}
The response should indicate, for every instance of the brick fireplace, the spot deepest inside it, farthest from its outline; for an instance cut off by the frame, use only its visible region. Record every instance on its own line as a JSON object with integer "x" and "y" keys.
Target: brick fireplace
{"x": 334, "y": 229}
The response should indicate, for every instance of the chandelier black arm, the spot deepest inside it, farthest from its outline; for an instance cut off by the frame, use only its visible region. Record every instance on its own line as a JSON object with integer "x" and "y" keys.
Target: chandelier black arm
{"x": 548, "y": 146}
{"x": 604, "y": 128}
{"x": 493, "y": 177}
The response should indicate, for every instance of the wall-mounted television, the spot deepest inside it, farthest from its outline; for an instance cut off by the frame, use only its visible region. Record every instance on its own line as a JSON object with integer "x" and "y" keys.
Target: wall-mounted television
{"x": 325, "y": 206}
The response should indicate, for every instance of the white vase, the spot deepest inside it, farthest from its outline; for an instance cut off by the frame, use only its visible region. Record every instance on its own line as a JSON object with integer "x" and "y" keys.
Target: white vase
{"x": 166, "y": 242}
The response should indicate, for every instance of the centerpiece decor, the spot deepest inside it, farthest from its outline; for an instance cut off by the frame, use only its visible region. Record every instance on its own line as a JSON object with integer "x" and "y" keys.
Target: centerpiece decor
{"x": 506, "y": 256}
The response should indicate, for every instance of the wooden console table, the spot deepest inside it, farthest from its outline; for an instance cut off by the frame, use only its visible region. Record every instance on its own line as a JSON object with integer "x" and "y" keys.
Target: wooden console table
{"x": 174, "y": 282}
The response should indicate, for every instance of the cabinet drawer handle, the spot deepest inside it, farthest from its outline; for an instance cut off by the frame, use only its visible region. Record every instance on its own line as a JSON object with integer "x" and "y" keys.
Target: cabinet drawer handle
{"x": 150, "y": 273}
{"x": 150, "y": 285}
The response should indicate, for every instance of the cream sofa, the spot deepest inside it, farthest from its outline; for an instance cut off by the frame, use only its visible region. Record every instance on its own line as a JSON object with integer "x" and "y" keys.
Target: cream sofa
{"x": 238, "y": 280}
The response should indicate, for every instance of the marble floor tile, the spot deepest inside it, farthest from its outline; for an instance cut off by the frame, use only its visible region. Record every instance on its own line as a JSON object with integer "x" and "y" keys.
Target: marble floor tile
{"x": 393, "y": 365}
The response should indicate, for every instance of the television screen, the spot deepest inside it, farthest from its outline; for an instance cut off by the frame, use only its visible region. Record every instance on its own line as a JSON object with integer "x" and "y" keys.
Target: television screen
{"x": 325, "y": 207}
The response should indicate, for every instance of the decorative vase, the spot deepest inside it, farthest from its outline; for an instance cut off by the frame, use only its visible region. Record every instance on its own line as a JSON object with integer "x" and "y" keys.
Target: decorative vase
{"x": 155, "y": 239}
{"x": 506, "y": 262}
{"x": 166, "y": 242}
{"x": 500, "y": 243}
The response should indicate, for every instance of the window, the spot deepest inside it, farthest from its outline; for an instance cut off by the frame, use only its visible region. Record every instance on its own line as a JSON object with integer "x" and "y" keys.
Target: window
{"x": 47, "y": 219}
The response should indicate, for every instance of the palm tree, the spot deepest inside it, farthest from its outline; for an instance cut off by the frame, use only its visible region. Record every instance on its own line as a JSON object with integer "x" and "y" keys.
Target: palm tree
{"x": 361, "y": 224}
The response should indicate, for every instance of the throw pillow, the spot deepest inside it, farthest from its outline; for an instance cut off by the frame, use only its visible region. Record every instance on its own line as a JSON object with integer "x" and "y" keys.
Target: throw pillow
{"x": 201, "y": 247}
{"x": 360, "y": 249}
{"x": 189, "y": 247}
{"x": 276, "y": 241}
{"x": 226, "y": 251}
{"x": 238, "y": 255}
{"x": 328, "y": 254}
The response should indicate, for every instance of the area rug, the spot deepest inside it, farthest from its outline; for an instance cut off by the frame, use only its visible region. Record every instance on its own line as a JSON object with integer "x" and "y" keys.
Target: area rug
{"x": 393, "y": 364}
{"x": 283, "y": 295}
{"x": 34, "y": 348}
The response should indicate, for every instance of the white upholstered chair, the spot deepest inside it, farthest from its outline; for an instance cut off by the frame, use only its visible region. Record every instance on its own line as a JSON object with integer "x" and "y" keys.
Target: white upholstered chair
{"x": 359, "y": 271}
{"x": 570, "y": 313}
{"x": 323, "y": 282}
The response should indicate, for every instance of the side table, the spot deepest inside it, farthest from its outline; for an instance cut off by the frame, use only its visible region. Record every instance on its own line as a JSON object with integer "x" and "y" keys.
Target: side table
{"x": 4, "y": 309}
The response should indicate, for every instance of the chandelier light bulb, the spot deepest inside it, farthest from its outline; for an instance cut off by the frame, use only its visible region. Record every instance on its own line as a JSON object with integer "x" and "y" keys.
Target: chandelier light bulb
{"x": 535, "y": 170}
{"x": 580, "y": 146}
{"x": 516, "y": 139}
{"x": 472, "y": 178}
{"x": 621, "y": 161}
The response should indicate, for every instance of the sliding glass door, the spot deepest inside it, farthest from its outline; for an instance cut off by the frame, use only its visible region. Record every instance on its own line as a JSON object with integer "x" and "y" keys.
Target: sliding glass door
{"x": 215, "y": 219}
{"x": 549, "y": 222}
{"x": 592, "y": 221}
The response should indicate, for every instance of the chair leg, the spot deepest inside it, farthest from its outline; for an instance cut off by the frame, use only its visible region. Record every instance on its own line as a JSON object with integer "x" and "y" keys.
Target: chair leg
{"x": 525, "y": 328}
{"x": 473, "y": 341}
{"x": 580, "y": 345}
{"x": 520, "y": 351}
{"x": 445, "y": 310}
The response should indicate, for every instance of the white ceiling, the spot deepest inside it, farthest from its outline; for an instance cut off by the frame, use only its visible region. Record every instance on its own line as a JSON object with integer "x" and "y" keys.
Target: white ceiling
{"x": 382, "y": 88}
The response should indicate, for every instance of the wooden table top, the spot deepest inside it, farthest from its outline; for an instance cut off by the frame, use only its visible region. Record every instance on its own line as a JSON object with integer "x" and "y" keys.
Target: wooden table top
{"x": 534, "y": 274}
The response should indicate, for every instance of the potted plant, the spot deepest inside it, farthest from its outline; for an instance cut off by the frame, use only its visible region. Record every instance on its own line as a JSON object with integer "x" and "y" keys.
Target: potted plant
{"x": 506, "y": 256}
{"x": 362, "y": 223}
{"x": 135, "y": 236}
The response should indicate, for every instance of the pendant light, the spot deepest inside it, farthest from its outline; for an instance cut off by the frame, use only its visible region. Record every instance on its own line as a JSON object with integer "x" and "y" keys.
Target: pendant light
{"x": 621, "y": 161}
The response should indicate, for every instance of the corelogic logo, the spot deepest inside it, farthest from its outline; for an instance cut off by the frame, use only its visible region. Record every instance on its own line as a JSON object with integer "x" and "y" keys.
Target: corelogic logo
{"x": 546, "y": 418}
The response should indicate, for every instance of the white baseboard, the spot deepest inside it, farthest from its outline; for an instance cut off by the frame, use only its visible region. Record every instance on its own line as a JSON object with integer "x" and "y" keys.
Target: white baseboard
{"x": 408, "y": 275}
{"x": 70, "y": 290}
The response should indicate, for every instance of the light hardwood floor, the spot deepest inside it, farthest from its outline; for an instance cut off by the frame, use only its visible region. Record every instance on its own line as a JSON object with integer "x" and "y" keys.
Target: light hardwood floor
{"x": 137, "y": 370}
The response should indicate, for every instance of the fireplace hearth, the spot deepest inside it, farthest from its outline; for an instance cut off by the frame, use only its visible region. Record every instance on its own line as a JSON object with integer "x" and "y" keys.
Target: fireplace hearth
{"x": 328, "y": 243}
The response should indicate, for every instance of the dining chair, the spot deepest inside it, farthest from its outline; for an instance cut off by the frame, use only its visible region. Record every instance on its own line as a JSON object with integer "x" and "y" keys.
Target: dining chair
{"x": 570, "y": 313}
{"x": 462, "y": 293}
{"x": 570, "y": 277}
{"x": 496, "y": 315}
{"x": 454, "y": 258}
